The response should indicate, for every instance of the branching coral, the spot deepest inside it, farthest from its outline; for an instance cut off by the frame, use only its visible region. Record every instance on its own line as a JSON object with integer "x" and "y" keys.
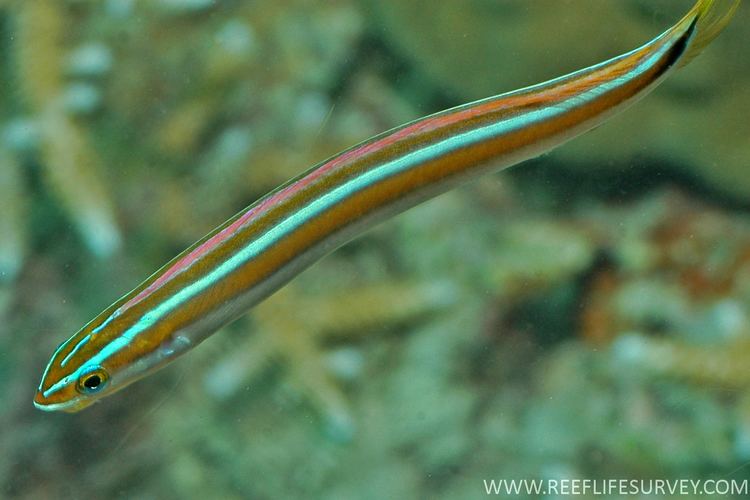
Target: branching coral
{"x": 293, "y": 326}
{"x": 72, "y": 169}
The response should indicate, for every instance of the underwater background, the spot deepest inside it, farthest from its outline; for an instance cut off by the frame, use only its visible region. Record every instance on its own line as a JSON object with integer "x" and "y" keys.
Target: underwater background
{"x": 582, "y": 315}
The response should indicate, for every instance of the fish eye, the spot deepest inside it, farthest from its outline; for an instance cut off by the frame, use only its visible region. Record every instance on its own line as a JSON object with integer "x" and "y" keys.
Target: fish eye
{"x": 92, "y": 380}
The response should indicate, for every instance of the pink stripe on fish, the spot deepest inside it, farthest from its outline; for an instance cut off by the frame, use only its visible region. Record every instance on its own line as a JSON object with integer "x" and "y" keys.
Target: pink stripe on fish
{"x": 423, "y": 126}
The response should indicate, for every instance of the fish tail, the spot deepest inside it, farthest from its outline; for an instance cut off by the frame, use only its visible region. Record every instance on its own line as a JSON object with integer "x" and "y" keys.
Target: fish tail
{"x": 709, "y": 18}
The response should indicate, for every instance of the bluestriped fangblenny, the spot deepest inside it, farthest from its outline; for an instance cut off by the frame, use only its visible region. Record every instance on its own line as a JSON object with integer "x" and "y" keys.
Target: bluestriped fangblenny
{"x": 263, "y": 247}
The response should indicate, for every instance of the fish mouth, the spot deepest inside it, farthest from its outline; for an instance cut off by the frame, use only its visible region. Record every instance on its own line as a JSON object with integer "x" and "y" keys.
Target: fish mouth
{"x": 70, "y": 406}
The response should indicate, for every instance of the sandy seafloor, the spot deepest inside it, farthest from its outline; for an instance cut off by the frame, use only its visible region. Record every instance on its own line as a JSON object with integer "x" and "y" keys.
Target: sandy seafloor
{"x": 585, "y": 315}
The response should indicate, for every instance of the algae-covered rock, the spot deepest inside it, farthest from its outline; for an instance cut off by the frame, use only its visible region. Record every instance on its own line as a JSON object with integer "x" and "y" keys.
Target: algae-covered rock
{"x": 476, "y": 48}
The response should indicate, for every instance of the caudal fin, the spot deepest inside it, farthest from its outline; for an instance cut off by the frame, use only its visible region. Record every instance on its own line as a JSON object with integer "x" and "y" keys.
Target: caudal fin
{"x": 710, "y": 17}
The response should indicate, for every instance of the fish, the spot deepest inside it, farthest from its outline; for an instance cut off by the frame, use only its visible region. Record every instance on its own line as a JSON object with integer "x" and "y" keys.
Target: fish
{"x": 261, "y": 248}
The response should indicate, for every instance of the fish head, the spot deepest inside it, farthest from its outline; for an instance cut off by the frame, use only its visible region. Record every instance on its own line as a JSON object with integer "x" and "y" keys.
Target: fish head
{"x": 73, "y": 378}
{"x": 111, "y": 352}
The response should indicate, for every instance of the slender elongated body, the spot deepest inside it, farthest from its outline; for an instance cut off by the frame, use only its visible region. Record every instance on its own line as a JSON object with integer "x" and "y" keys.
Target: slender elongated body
{"x": 264, "y": 246}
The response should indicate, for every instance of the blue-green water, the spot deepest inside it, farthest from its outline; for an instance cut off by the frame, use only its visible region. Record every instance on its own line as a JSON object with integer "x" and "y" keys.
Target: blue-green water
{"x": 585, "y": 315}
